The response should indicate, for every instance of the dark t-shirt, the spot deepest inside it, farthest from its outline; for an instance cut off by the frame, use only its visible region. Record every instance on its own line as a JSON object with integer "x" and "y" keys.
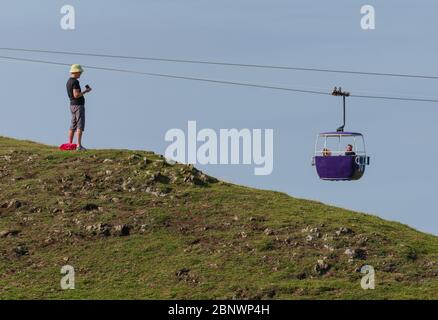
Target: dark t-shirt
{"x": 73, "y": 83}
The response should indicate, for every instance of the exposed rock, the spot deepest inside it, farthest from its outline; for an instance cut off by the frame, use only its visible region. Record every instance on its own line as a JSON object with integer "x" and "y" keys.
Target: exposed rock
{"x": 154, "y": 192}
{"x": 182, "y": 272}
{"x": 9, "y": 233}
{"x": 360, "y": 254}
{"x": 186, "y": 275}
{"x": 14, "y": 204}
{"x": 101, "y": 229}
{"x": 343, "y": 231}
{"x": 203, "y": 177}
{"x": 362, "y": 240}
{"x": 126, "y": 184}
{"x": 35, "y": 210}
{"x": 321, "y": 267}
{"x": 122, "y": 230}
{"x": 257, "y": 219}
{"x": 49, "y": 240}
{"x": 21, "y": 250}
{"x": 313, "y": 233}
{"x": 355, "y": 253}
{"x": 135, "y": 157}
{"x": 430, "y": 264}
{"x": 143, "y": 228}
{"x": 268, "y": 232}
{"x": 90, "y": 207}
{"x": 193, "y": 176}
{"x": 159, "y": 177}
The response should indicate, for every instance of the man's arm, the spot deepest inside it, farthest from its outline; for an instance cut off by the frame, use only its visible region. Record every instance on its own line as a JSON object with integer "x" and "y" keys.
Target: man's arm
{"x": 77, "y": 93}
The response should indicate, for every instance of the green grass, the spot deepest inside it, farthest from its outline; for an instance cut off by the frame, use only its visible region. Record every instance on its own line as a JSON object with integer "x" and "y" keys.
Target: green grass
{"x": 202, "y": 240}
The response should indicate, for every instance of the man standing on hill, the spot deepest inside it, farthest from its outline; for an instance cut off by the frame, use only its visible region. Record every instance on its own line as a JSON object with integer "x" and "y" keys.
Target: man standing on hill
{"x": 77, "y": 105}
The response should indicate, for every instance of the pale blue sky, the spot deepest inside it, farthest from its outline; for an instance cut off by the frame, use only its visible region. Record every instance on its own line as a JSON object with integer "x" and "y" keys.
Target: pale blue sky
{"x": 131, "y": 111}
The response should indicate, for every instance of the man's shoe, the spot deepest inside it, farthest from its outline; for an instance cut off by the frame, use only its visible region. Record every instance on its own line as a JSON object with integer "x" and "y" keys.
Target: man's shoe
{"x": 80, "y": 148}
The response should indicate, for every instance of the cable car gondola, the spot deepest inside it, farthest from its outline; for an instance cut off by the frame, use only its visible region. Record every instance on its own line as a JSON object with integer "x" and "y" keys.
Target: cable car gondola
{"x": 340, "y": 156}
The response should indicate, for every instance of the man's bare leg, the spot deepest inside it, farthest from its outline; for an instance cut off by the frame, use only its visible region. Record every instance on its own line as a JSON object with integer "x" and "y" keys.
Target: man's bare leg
{"x": 79, "y": 134}
{"x": 71, "y": 134}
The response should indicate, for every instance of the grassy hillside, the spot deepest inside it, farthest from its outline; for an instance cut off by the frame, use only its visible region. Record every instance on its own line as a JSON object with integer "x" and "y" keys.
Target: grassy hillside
{"x": 134, "y": 226}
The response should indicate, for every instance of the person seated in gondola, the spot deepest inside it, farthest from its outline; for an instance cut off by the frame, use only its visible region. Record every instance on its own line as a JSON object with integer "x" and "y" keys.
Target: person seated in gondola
{"x": 349, "y": 150}
{"x": 326, "y": 152}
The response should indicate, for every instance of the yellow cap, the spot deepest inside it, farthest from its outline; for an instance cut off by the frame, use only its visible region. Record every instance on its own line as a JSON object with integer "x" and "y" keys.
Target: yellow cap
{"x": 76, "y": 68}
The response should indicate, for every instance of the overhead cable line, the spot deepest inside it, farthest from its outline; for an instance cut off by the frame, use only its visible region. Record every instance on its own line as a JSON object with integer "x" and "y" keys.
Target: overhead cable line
{"x": 244, "y": 84}
{"x": 174, "y": 76}
{"x": 219, "y": 63}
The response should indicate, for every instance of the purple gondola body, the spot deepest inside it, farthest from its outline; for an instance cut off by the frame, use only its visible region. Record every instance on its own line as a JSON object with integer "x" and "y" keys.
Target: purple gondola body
{"x": 340, "y": 167}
